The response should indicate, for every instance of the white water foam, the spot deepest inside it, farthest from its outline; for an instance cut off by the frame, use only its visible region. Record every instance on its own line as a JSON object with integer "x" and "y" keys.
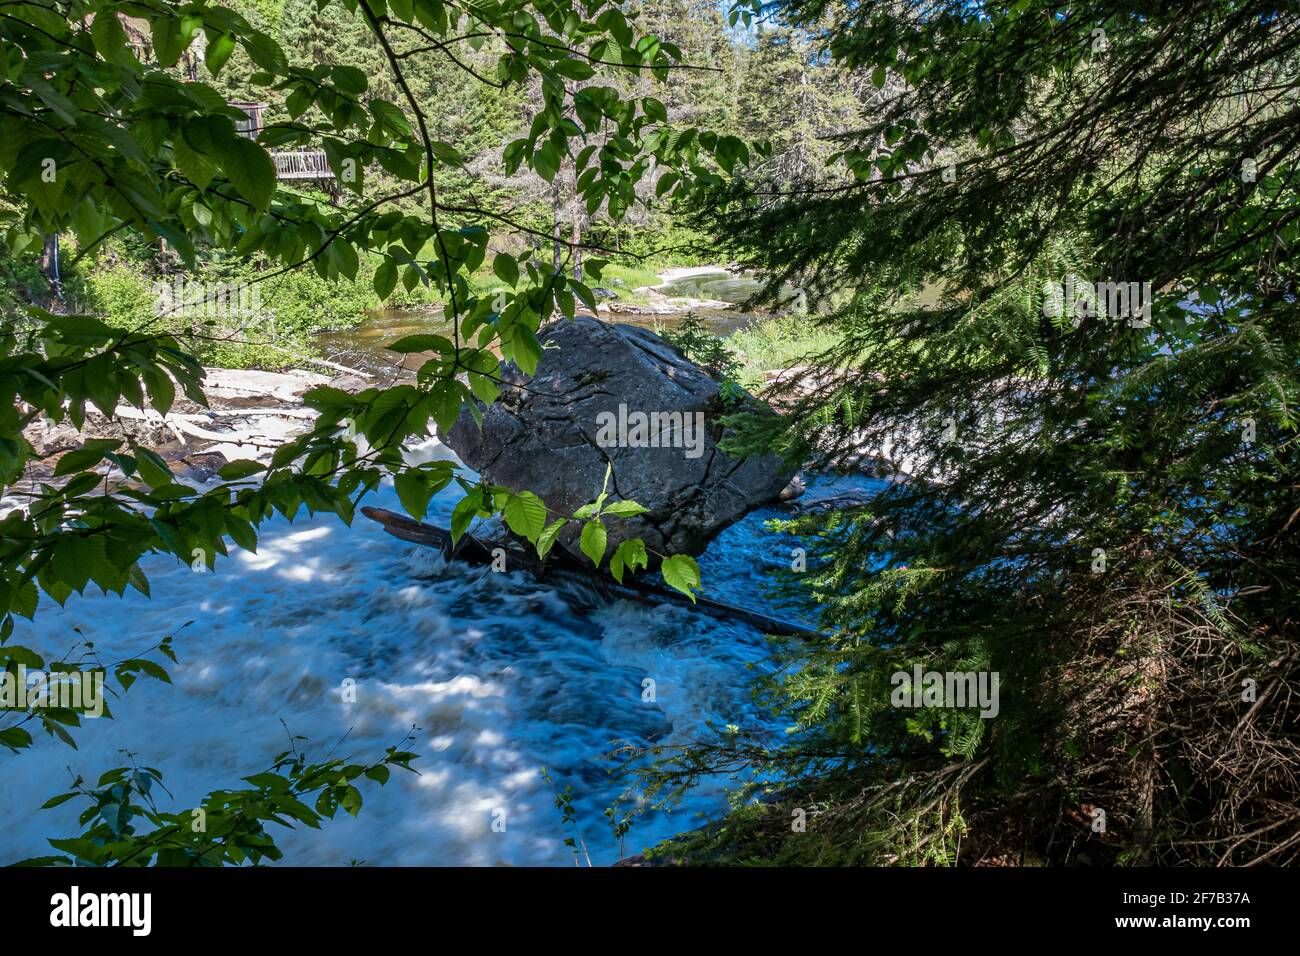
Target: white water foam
{"x": 502, "y": 675}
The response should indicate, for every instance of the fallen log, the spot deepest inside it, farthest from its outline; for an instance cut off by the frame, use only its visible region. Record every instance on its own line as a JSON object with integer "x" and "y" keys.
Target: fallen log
{"x": 324, "y": 363}
{"x": 477, "y": 551}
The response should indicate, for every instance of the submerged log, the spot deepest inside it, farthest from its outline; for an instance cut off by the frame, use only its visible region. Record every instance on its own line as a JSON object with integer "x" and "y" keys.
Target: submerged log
{"x": 478, "y": 551}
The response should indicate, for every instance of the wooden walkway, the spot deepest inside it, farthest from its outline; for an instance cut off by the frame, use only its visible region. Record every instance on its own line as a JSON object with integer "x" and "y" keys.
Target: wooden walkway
{"x": 301, "y": 164}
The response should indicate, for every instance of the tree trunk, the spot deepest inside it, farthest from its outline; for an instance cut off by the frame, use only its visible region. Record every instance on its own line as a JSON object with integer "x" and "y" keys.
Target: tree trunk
{"x": 555, "y": 212}
{"x": 50, "y": 265}
{"x": 577, "y": 247}
{"x": 577, "y": 207}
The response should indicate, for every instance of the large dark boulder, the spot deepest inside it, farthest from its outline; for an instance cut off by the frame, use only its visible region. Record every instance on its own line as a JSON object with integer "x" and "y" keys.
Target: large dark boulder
{"x": 619, "y": 395}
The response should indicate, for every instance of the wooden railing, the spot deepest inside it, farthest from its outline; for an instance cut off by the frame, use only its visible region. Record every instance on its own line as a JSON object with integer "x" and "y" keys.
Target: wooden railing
{"x": 301, "y": 164}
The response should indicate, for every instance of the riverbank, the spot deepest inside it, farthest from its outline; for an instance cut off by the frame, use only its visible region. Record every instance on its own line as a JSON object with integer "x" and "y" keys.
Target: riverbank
{"x": 248, "y": 416}
{"x": 660, "y": 301}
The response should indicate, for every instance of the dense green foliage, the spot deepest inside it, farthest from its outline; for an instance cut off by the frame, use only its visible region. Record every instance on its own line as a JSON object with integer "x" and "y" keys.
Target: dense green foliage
{"x": 702, "y": 347}
{"x": 1101, "y": 508}
{"x": 116, "y": 126}
{"x": 1101, "y": 501}
{"x": 228, "y": 828}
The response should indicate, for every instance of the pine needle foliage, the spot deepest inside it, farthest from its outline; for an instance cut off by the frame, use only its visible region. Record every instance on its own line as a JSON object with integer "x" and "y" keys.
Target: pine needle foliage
{"x": 1100, "y": 507}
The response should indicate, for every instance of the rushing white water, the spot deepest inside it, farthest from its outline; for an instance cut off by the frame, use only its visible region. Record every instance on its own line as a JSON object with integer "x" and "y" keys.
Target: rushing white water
{"x": 502, "y": 675}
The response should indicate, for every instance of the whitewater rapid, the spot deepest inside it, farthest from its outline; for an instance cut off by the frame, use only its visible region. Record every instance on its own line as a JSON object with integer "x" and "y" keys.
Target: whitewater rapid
{"x": 502, "y": 675}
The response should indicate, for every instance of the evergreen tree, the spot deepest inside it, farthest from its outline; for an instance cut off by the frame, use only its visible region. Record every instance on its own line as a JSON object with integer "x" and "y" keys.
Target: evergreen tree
{"x": 799, "y": 103}
{"x": 1102, "y": 500}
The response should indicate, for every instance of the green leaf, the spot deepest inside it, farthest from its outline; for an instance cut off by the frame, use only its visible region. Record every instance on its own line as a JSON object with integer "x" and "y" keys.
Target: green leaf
{"x": 625, "y": 509}
{"x": 414, "y": 491}
{"x": 465, "y": 511}
{"x": 136, "y": 578}
{"x": 546, "y": 540}
{"x": 265, "y": 52}
{"x": 447, "y": 153}
{"x": 249, "y": 169}
{"x": 445, "y": 399}
{"x": 681, "y": 572}
{"x": 109, "y": 36}
{"x": 195, "y": 166}
{"x": 572, "y": 69}
{"x": 525, "y": 515}
{"x": 326, "y": 398}
{"x": 15, "y": 738}
{"x": 166, "y": 36}
{"x": 240, "y": 468}
{"x": 154, "y": 670}
{"x": 218, "y": 52}
{"x": 484, "y": 388}
{"x": 526, "y": 350}
{"x": 24, "y": 599}
{"x": 630, "y": 553}
{"x": 593, "y": 540}
{"x": 390, "y": 117}
{"x": 240, "y": 531}
{"x": 87, "y": 456}
{"x": 349, "y": 79}
{"x": 507, "y": 269}
{"x": 153, "y": 469}
{"x": 547, "y": 161}
{"x": 385, "y": 279}
{"x": 351, "y": 801}
{"x": 61, "y": 798}
{"x": 424, "y": 342}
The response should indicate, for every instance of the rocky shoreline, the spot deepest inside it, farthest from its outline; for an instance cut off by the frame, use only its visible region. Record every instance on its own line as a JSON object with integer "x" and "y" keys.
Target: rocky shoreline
{"x": 249, "y": 415}
{"x": 661, "y": 304}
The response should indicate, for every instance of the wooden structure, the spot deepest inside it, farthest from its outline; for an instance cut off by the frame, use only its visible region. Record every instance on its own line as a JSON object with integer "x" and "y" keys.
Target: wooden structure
{"x": 254, "y": 122}
{"x": 289, "y": 163}
{"x": 301, "y": 164}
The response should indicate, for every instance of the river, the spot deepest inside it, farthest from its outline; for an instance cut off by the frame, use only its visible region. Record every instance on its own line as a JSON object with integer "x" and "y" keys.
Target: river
{"x": 501, "y": 674}
{"x": 363, "y": 347}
